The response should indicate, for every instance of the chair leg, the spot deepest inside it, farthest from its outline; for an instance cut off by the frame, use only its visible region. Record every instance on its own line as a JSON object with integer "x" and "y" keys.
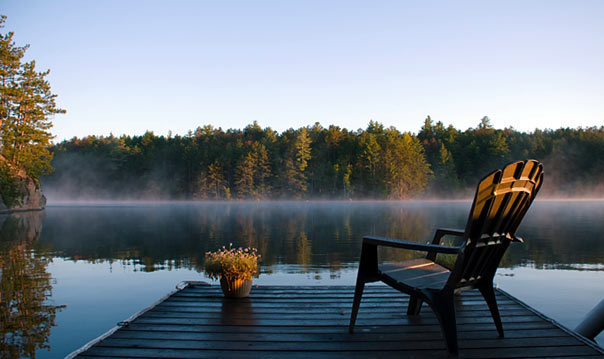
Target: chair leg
{"x": 358, "y": 293}
{"x": 415, "y": 305}
{"x": 488, "y": 293}
{"x": 368, "y": 268}
{"x": 444, "y": 306}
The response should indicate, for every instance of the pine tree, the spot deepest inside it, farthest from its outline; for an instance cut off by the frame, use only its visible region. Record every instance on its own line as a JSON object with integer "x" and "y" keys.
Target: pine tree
{"x": 25, "y": 110}
{"x": 31, "y": 137}
{"x": 405, "y": 172}
{"x": 262, "y": 171}
{"x": 370, "y": 160}
{"x": 252, "y": 173}
{"x": 201, "y": 189}
{"x": 244, "y": 176}
{"x": 216, "y": 182}
{"x": 296, "y": 164}
{"x": 10, "y": 62}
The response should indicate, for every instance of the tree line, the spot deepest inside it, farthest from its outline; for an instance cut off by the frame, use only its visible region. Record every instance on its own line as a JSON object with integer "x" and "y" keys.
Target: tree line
{"x": 316, "y": 162}
{"x": 253, "y": 163}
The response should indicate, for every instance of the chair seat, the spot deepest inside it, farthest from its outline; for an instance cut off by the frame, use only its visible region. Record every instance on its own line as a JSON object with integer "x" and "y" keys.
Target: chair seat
{"x": 418, "y": 273}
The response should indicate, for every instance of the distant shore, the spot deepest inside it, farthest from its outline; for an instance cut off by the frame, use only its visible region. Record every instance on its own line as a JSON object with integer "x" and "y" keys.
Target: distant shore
{"x": 126, "y": 202}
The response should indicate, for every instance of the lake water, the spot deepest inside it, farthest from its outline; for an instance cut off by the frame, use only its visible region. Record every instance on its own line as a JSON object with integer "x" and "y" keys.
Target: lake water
{"x": 78, "y": 269}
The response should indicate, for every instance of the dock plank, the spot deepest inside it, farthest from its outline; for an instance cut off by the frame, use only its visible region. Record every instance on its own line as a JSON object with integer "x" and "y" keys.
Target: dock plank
{"x": 344, "y": 337}
{"x": 282, "y": 321}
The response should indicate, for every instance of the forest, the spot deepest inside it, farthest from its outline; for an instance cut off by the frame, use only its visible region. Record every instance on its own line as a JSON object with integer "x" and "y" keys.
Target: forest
{"x": 315, "y": 162}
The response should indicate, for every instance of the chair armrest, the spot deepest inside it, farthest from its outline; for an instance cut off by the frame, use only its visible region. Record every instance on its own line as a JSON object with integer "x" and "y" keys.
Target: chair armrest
{"x": 441, "y": 232}
{"x": 400, "y": 243}
{"x": 517, "y": 239}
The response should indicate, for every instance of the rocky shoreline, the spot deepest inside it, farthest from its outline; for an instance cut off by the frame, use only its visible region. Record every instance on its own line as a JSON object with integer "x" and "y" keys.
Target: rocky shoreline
{"x": 21, "y": 193}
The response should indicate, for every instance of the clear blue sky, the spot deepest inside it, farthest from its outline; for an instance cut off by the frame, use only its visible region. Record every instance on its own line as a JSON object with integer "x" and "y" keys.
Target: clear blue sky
{"x": 131, "y": 66}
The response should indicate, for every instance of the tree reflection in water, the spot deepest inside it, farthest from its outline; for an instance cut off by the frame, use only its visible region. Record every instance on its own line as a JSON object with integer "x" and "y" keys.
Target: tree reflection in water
{"x": 25, "y": 287}
{"x": 304, "y": 236}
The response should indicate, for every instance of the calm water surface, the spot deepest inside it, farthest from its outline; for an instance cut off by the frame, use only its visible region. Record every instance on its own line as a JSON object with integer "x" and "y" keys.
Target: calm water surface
{"x": 79, "y": 269}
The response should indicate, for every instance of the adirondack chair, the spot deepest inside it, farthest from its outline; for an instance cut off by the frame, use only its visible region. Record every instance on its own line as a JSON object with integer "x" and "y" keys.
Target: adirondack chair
{"x": 501, "y": 201}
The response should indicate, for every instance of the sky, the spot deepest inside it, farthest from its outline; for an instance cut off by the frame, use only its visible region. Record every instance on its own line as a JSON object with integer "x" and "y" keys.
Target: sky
{"x": 126, "y": 67}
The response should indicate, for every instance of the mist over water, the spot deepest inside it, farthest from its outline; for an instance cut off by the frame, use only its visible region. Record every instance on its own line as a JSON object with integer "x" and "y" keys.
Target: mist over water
{"x": 328, "y": 232}
{"x": 123, "y": 256}
{"x": 101, "y": 169}
{"x": 301, "y": 233}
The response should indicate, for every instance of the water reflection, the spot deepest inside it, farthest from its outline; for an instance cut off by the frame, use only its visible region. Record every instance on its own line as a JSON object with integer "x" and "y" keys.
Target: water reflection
{"x": 310, "y": 235}
{"x": 308, "y": 242}
{"x": 237, "y": 312}
{"x": 561, "y": 235}
{"x": 160, "y": 237}
{"x": 25, "y": 287}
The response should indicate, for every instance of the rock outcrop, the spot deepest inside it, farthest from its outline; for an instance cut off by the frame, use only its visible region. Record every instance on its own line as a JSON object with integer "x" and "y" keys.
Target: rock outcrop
{"x": 25, "y": 192}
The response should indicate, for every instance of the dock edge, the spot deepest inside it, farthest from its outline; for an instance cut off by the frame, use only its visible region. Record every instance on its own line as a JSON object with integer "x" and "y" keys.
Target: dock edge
{"x": 179, "y": 287}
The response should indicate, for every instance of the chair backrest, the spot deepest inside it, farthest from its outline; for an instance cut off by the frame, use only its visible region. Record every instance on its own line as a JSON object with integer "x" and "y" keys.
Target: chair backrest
{"x": 501, "y": 201}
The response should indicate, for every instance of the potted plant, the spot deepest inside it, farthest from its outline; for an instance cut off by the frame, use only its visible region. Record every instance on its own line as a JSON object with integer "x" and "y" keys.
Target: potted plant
{"x": 235, "y": 268}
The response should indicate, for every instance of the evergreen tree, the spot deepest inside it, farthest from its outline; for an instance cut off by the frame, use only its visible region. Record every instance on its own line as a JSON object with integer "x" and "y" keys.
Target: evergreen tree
{"x": 244, "y": 176}
{"x": 262, "y": 172}
{"x": 369, "y": 162}
{"x": 445, "y": 177}
{"x": 201, "y": 189}
{"x": 25, "y": 109}
{"x": 406, "y": 172}
{"x": 296, "y": 164}
{"x": 435, "y": 139}
{"x": 252, "y": 173}
{"x": 216, "y": 182}
{"x": 10, "y": 63}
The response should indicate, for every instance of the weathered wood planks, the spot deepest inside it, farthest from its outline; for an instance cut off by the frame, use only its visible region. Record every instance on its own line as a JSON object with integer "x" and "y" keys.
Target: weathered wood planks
{"x": 296, "y": 322}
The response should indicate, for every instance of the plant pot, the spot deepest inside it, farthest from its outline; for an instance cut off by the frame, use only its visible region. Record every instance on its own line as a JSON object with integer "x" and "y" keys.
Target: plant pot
{"x": 236, "y": 288}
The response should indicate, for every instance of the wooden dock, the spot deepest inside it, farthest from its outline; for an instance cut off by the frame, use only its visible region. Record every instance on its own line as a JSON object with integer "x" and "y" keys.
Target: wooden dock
{"x": 301, "y": 322}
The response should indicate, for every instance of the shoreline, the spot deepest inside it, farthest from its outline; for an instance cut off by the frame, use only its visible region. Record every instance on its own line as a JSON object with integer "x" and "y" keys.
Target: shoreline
{"x": 100, "y": 202}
